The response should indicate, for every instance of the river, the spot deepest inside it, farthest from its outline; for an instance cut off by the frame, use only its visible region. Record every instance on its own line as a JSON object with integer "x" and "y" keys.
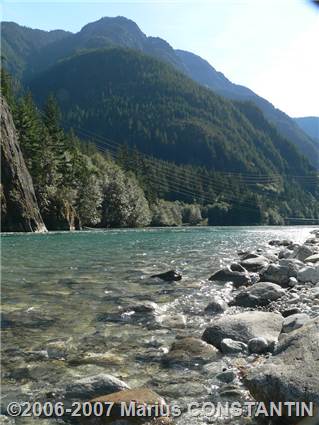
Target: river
{"x": 66, "y": 292}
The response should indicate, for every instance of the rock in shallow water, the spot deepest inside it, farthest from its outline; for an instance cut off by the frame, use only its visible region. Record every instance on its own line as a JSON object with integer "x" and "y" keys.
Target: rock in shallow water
{"x": 234, "y": 273}
{"x": 243, "y": 327}
{"x": 260, "y": 294}
{"x": 142, "y": 399}
{"x": 170, "y": 276}
{"x": 216, "y": 306}
{"x": 190, "y": 351}
{"x": 292, "y": 373}
{"x": 94, "y": 386}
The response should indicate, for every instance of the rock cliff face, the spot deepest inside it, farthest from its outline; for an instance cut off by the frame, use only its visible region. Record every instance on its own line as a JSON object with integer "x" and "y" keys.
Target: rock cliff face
{"x": 19, "y": 207}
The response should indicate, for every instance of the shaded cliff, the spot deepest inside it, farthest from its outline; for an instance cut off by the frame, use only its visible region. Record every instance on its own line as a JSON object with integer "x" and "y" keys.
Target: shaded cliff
{"x": 19, "y": 207}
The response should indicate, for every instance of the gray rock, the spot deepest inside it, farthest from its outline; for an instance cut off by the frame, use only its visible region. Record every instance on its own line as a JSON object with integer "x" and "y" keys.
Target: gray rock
{"x": 227, "y": 376}
{"x": 309, "y": 274}
{"x": 94, "y": 386}
{"x": 292, "y": 282}
{"x": 260, "y": 294}
{"x": 295, "y": 321}
{"x": 302, "y": 252}
{"x": 282, "y": 272}
{"x": 255, "y": 264}
{"x": 292, "y": 373}
{"x": 243, "y": 327}
{"x": 145, "y": 307}
{"x": 170, "y": 276}
{"x": 216, "y": 306}
{"x": 312, "y": 259}
{"x": 230, "y": 346}
{"x": 259, "y": 346}
{"x": 234, "y": 273}
{"x": 189, "y": 352}
{"x": 290, "y": 311}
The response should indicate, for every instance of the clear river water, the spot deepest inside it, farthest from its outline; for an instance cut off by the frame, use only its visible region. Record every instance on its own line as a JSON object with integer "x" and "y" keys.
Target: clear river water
{"x": 65, "y": 294}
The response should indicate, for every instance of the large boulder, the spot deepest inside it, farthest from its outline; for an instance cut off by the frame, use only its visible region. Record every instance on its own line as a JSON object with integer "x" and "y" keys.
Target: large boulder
{"x": 94, "y": 386}
{"x": 19, "y": 206}
{"x": 309, "y": 274}
{"x": 243, "y": 327}
{"x": 255, "y": 264}
{"x": 281, "y": 273}
{"x": 302, "y": 252}
{"x": 260, "y": 294}
{"x": 292, "y": 373}
{"x": 234, "y": 273}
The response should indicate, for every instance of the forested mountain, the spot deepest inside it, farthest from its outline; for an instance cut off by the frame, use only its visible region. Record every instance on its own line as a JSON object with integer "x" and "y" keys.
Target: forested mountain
{"x": 125, "y": 33}
{"x": 135, "y": 99}
{"x": 202, "y": 72}
{"x": 309, "y": 125}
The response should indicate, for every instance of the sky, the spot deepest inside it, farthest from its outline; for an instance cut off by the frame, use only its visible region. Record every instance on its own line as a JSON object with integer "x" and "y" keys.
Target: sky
{"x": 270, "y": 46}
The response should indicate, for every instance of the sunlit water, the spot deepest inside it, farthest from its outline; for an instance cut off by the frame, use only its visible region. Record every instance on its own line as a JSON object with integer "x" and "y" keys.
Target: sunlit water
{"x": 69, "y": 287}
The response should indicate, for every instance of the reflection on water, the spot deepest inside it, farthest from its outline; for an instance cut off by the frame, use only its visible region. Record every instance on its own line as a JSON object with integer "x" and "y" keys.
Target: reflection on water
{"x": 66, "y": 293}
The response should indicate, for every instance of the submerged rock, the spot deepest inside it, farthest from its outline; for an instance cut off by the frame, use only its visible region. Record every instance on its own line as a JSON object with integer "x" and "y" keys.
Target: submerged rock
{"x": 170, "y": 276}
{"x": 189, "y": 352}
{"x": 260, "y": 294}
{"x": 153, "y": 407}
{"x": 94, "y": 386}
{"x": 292, "y": 373}
{"x": 243, "y": 327}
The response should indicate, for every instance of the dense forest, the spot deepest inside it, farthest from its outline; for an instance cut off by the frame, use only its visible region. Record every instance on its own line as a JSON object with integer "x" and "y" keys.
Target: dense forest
{"x": 109, "y": 185}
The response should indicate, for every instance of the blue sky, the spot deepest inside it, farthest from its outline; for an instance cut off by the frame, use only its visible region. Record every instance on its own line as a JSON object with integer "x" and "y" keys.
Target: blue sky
{"x": 268, "y": 45}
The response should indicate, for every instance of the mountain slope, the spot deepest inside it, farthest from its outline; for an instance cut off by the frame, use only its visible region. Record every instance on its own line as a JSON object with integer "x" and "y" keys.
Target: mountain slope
{"x": 123, "y": 32}
{"x": 21, "y": 45}
{"x": 202, "y": 72}
{"x": 309, "y": 125}
{"x": 134, "y": 99}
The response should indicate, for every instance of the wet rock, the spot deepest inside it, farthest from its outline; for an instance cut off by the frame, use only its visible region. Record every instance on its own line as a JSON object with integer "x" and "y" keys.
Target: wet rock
{"x": 230, "y": 346}
{"x": 170, "y": 276}
{"x": 255, "y": 264}
{"x": 142, "y": 399}
{"x": 243, "y": 327}
{"x": 145, "y": 307}
{"x": 30, "y": 318}
{"x": 260, "y": 294}
{"x": 94, "y": 386}
{"x": 258, "y": 345}
{"x": 290, "y": 311}
{"x": 177, "y": 321}
{"x": 216, "y": 306}
{"x": 292, "y": 372}
{"x": 312, "y": 259}
{"x": 57, "y": 349}
{"x": 190, "y": 351}
{"x": 234, "y": 273}
{"x": 227, "y": 376}
{"x": 294, "y": 322}
{"x": 309, "y": 274}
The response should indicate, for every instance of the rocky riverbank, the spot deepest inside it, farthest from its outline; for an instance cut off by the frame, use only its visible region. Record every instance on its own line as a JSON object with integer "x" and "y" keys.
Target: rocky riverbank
{"x": 257, "y": 339}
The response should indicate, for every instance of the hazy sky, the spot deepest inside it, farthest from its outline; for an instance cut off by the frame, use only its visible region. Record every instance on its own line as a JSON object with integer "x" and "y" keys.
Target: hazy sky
{"x": 270, "y": 46}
